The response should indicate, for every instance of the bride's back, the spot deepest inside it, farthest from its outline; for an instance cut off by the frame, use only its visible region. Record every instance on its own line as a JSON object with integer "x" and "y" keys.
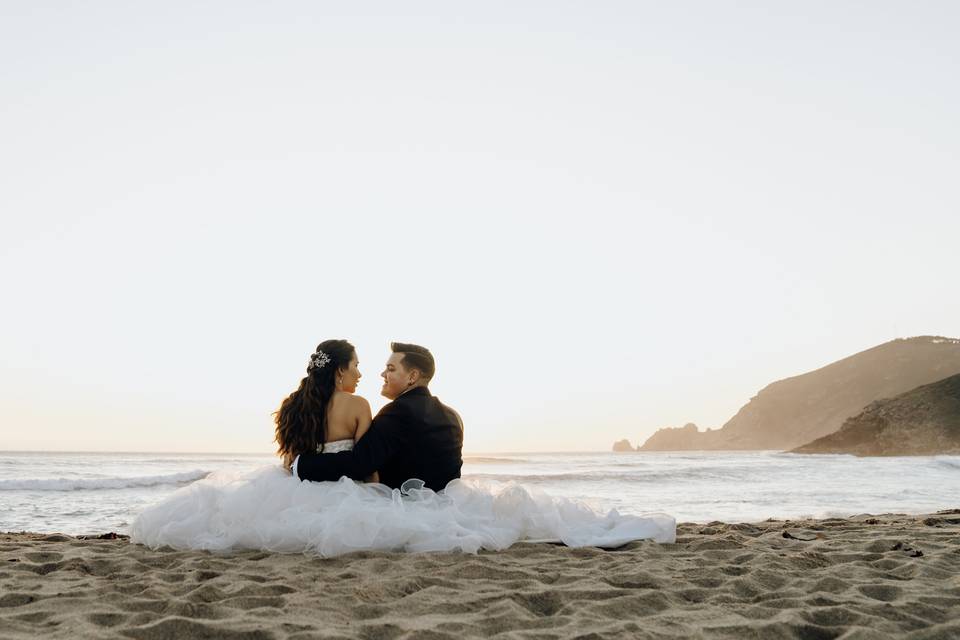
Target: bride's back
{"x": 345, "y": 416}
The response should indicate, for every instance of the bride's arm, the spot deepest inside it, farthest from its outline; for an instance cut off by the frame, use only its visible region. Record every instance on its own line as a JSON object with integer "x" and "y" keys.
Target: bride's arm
{"x": 386, "y": 436}
{"x": 364, "y": 418}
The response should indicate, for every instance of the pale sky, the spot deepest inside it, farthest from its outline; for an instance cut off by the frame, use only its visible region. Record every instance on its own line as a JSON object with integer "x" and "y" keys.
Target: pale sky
{"x": 602, "y": 217}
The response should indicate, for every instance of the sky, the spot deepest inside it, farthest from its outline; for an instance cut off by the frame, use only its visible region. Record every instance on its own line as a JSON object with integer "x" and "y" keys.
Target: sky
{"x": 603, "y": 218}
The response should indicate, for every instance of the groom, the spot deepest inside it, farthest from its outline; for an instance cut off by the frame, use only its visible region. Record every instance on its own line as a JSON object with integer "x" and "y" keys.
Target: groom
{"x": 415, "y": 436}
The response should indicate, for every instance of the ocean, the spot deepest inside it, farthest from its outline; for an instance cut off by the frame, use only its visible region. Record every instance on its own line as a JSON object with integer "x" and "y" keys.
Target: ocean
{"x": 92, "y": 493}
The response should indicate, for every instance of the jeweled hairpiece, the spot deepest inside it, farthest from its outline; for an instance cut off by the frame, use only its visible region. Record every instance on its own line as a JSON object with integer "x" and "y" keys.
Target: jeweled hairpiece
{"x": 317, "y": 361}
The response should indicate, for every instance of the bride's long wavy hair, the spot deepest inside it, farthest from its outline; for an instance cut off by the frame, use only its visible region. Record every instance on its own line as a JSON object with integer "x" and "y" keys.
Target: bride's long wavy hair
{"x": 302, "y": 417}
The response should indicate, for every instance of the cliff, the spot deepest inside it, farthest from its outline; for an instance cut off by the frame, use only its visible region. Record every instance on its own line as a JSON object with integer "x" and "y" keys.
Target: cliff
{"x": 671, "y": 438}
{"x": 924, "y": 421}
{"x": 795, "y": 411}
{"x": 623, "y": 445}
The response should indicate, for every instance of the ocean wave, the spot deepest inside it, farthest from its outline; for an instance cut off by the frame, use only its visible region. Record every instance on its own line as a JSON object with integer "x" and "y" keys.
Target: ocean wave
{"x": 678, "y": 475}
{"x": 74, "y": 484}
{"x": 489, "y": 460}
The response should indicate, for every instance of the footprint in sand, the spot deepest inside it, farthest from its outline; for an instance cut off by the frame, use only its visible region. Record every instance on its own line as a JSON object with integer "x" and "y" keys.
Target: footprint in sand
{"x": 203, "y": 576}
{"x": 830, "y": 584}
{"x": 257, "y": 590}
{"x": 34, "y": 617}
{"x": 40, "y": 569}
{"x": 541, "y": 603}
{"x": 183, "y": 628}
{"x": 882, "y": 592}
{"x": 107, "y": 619}
{"x": 16, "y": 599}
{"x": 638, "y": 580}
{"x": 44, "y": 556}
{"x": 254, "y": 578}
{"x": 837, "y": 616}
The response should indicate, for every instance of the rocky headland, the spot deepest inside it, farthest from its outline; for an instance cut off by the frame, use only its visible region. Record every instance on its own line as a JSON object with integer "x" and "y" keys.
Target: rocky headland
{"x": 795, "y": 411}
{"x": 924, "y": 421}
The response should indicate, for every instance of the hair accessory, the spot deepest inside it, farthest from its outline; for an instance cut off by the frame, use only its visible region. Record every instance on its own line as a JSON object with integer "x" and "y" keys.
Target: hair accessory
{"x": 317, "y": 361}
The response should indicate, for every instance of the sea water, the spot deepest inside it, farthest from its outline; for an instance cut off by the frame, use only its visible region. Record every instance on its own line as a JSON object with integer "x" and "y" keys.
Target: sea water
{"x": 88, "y": 493}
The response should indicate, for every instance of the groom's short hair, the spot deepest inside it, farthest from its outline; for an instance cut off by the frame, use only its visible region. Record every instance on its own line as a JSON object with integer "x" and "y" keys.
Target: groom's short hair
{"x": 415, "y": 357}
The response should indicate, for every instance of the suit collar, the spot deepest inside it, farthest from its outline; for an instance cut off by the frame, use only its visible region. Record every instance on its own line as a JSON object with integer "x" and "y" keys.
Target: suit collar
{"x": 416, "y": 391}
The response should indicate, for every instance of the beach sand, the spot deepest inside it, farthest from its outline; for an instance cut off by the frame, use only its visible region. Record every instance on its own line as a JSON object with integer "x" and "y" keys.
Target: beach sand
{"x": 861, "y": 577}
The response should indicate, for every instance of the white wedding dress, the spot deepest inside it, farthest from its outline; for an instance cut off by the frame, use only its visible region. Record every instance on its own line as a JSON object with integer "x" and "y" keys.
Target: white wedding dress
{"x": 269, "y": 509}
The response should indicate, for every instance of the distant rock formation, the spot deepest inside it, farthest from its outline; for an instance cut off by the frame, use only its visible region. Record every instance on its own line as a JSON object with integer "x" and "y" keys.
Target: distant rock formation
{"x": 924, "y": 421}
{"x": 792, "y": 412}
{"x": 623, "y": 445}
{"x": 671, "y": 438}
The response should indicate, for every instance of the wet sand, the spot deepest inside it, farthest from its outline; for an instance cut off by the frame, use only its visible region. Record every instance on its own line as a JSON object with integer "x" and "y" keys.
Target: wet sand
{"x": 887, "y": 576}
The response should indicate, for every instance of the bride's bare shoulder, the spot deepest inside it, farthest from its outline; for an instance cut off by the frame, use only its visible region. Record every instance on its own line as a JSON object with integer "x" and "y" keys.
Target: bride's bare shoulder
{"x": 349, "y": 402}
{"x": 360, "y": 404}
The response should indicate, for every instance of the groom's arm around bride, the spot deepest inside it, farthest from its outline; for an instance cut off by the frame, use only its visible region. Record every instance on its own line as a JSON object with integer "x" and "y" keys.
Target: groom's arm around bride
{"x": 415, "y": 436}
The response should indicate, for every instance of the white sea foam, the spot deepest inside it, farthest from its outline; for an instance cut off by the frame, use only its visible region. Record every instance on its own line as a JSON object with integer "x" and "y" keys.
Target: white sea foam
{"x": 89, "y": 484}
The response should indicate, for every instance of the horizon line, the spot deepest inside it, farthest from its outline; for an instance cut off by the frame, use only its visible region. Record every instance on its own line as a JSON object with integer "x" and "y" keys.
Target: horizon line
{"x": 250, "y": 453}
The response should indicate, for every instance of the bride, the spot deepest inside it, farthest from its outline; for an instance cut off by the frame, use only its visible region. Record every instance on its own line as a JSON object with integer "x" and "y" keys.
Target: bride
{"x": 323, "y": 414}
{"x": 271, "y": 510}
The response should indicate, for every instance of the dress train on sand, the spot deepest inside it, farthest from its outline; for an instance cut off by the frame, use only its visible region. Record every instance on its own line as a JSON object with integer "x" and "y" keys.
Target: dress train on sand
{"x": 271, "y": 510}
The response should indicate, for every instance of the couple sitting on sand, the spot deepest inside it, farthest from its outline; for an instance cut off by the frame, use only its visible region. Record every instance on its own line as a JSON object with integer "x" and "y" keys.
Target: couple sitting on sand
{"x": 325, "y": 432}
{"x": 413, "y": 500}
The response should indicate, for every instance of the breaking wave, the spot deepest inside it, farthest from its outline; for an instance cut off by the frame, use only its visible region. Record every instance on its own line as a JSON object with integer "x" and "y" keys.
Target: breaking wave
{"x": 88, "y": 484}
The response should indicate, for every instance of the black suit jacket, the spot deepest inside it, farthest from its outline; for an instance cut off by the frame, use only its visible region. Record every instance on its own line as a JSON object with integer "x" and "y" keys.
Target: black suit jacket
{"x": 415, "y": 436}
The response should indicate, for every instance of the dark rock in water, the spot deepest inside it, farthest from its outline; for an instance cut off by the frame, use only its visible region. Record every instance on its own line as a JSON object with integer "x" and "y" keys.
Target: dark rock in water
{"x": 623, "y": 445}
{"x": 923, "y": 421}
{"x": 792, "y": 412}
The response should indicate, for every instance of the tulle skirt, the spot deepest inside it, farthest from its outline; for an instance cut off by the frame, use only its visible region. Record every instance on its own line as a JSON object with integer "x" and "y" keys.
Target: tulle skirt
{"x": 270, "y": 510}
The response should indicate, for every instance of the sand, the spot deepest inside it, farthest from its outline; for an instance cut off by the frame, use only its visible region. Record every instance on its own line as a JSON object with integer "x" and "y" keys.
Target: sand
{"x": 863, "y": 577}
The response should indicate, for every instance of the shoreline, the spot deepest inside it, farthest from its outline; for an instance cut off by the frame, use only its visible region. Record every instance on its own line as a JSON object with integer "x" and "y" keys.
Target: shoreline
{"x": 868, "y": 576}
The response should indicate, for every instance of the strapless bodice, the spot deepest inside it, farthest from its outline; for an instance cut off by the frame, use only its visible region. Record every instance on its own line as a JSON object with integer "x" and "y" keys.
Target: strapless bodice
{"x": 336, "y": 446}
